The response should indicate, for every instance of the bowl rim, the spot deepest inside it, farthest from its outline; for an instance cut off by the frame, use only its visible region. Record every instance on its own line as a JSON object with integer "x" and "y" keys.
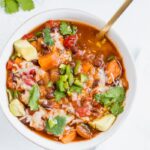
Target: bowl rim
{"x": 58, "y": 145}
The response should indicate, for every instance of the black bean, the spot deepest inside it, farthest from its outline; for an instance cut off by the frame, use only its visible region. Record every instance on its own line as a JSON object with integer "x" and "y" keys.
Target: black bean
{"x": 25, "y": 121}
{"x": 74, "y": 49}
{"x": 72, "y": 64}
{"x": 54, "y": 29}
{"x": 95, "y": 83}
{"x": 35, "y": 62}
{"x": 44, "y": 46}
{"x": 50, "y": 93}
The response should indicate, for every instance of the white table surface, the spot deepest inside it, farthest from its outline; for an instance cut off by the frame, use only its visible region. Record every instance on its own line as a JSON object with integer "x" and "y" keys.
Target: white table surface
{"x": 134, "y": 28}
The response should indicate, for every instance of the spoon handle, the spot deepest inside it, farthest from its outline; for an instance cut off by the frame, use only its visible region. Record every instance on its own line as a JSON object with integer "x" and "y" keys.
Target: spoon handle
{"x": 107, "y": 27}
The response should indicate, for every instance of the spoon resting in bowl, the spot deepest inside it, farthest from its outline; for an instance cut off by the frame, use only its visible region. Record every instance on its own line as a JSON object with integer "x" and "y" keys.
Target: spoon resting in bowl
{"x": 114, "y": 18}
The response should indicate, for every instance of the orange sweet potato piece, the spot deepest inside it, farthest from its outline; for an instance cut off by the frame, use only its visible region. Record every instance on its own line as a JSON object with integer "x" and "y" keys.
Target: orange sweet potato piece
{"x": 86, "y": 67}
{"x": 49, "y": 61}
{"x": 69, "y": 137}
{"x": 112, "y": 70}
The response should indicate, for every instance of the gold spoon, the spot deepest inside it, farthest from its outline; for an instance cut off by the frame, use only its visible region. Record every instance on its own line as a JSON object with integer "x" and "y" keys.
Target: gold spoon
{"x": 107, "y": 27}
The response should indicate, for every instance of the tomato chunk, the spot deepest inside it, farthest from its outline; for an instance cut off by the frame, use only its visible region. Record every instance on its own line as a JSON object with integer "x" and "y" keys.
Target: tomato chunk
{"x": 10, "y": 65}
{"x": 70, "y": 41}
{"x": 83, "y": 111}
{"x": 113, "y": 70}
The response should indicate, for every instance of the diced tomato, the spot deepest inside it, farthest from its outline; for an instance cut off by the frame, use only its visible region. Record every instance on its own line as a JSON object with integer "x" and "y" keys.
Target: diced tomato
{"x": 83, "y": 111}
{"x": 32, "y": 72}
{"x": 70, "y": 41}
{"x": 10, "y": 65}
{"x": 52, "y": 23}
{"x": 28, "y": 36}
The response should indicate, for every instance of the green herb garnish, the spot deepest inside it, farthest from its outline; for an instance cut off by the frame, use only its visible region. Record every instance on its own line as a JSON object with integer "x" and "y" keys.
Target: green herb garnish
{"x": 34, "y": 97}
{"x": 56, "y": 126}
{"x": 47, "y": 37}
{"x": 112, "y": 99}
{"x": 67, "y": 29}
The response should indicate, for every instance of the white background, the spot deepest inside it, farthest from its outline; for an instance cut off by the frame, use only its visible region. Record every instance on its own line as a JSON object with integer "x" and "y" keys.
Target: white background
{"x": 134, "y": 29}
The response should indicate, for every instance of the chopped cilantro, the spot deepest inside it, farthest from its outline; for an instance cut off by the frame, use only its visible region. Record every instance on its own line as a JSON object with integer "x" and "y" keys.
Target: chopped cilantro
{"x": 47, "y": 37}
{"x": 112, "y": 99}
{"x": 34, "y": 97}
{"x": 116, "y": 109}
{"x": 52, "y": 122}
{"x": 66, "y": 29}
{"x": 56, "y": 126}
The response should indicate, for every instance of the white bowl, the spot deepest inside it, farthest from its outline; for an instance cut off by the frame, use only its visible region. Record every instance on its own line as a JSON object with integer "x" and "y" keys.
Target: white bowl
{"x": 75, "y": 15}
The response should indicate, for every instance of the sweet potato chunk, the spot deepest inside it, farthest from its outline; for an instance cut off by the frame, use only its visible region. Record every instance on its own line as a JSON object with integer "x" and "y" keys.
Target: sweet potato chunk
{"x": 49, "y": 61}
{"x": 112, "y": 70}
{"x": 70, "y": 136}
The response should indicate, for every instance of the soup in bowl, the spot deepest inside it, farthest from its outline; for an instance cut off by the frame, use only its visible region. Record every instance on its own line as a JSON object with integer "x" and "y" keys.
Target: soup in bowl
{"x": 63, "y": 85}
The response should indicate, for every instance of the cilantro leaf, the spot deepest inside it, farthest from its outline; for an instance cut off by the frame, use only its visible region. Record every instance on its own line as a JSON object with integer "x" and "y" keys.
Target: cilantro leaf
{"x": 26, "y": 4}
{"x": 66, "y": 29}
{"x": 56, "y": 126}
{"x": 116, "y": 109}
{"x": 116, "y": 94}
{"x": 11, "y": 6}
{"x": 47, "y": 37}
{"x": 34, "y": 97}
{"x": 59, "y": 95}
{"x": 112, "y": 99}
